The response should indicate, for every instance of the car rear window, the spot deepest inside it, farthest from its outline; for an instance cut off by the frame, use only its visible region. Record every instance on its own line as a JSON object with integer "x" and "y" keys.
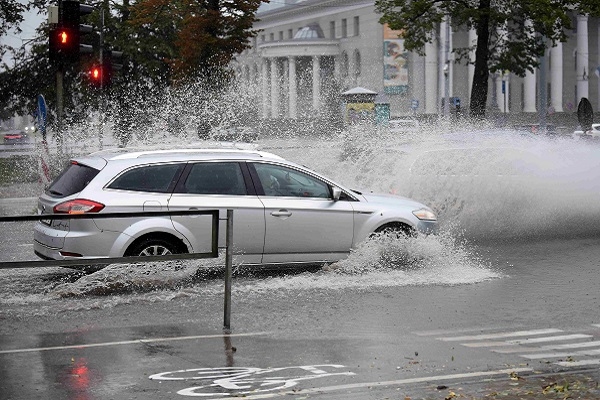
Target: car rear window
{"x": 72, "y": 180}
{"x": 150, "y": 178}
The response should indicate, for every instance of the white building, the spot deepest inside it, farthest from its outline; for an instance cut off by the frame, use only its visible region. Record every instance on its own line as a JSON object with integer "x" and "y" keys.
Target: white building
{"x": 308, "y": 52}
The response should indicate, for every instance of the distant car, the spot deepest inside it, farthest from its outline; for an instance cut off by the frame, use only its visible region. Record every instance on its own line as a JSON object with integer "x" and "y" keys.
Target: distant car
{"x": 283, "y": 213}
{"x": 592, "y": 133}
{"x": 403, "y": 125}
{"x": 15, "y": 137}
{"x": 536, "y": 129}
{"x": 235, "y": 134}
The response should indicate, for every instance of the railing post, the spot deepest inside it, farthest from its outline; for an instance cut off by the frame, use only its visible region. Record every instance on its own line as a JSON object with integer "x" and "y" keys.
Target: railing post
{"x": 228, "y": 261}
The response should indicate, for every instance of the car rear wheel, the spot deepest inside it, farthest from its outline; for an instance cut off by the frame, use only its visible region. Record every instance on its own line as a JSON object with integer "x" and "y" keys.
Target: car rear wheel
{"x": 153, "y": 247}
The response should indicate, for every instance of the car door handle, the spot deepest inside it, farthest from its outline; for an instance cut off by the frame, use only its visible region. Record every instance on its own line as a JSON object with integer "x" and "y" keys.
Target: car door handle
{"x": 281, "y": 213}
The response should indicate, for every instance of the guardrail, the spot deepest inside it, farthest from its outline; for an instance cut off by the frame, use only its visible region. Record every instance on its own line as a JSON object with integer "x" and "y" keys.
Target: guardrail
{"x": 214, "y": 253}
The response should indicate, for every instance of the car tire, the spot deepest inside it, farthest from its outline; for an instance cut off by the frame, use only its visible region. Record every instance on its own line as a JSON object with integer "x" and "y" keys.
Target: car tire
{"x": 397, "y": 228}
{"x": 152, "y": 247}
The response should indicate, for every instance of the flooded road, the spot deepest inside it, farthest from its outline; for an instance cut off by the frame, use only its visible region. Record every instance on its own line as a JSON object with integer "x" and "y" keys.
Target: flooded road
{"x": 517, "y": 254}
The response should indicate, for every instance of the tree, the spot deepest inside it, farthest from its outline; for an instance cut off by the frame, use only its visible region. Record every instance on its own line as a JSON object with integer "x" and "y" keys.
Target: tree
{"x": 193, "y": 38}
{"x": 511, "y": 34}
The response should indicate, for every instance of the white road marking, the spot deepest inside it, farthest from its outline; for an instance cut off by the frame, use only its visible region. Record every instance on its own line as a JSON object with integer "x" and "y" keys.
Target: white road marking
{"x": 500, "y": 335}
{"x": 563, "y": 354}
{"x": 517, "y": 349}
{"x": 385, "y": 383}
{"x": 550, "y": 339}
{"x": 578, "y": 363}
{"x": 438, "y": 332}
{"x": 488, "y": 344}
{"x": 135, "y": 341}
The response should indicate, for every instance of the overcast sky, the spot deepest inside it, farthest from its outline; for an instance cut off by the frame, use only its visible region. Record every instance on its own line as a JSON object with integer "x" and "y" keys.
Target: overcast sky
{"x": 29, "y": 25}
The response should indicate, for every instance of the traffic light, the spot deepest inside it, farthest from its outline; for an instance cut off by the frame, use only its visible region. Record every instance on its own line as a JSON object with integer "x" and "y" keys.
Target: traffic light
{"x": 97, "y": 75}
{"x": 64, "y": 44}
{"x": 65, "y": 37}
{"x": 100, "y": 75}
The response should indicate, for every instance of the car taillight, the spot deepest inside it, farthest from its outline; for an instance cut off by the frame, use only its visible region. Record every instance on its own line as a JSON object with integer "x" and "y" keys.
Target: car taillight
{"x": 78, "y": 206}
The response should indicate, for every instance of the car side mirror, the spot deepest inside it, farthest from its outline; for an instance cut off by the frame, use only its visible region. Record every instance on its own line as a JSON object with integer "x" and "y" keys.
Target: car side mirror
{"x": 337, "y": 193}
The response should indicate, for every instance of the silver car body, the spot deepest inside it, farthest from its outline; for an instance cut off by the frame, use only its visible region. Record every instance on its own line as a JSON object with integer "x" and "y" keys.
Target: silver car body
{"x": 317, "y": 220}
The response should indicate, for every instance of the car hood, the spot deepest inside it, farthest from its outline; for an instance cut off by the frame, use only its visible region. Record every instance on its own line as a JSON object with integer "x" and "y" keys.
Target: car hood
{"x": 392, "y": 199}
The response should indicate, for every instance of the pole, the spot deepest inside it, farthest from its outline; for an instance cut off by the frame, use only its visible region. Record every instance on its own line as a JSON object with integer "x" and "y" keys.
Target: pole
{"x": 228, "y": 261}
{"x": 102, "y": 69}
{"x": 59, "y": 107}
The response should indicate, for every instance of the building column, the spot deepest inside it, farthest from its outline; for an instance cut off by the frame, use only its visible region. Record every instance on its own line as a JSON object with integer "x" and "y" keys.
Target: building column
{"x": 556, "y": 77}
{"x": 445, "y": 60}
{"x": 471, "y": 68}
{"x": 274, "y": 88}
{"x": 293, "y": 98}
{"x": 316, "y": 61}
{"x": 583, "y": 54}
{"x": 503, "y": 99}
{"x": 529, "y": 82}
{"x": 264, "y": 66}
{"x": 431, "y": 81}
{"x": 529, "y": 92}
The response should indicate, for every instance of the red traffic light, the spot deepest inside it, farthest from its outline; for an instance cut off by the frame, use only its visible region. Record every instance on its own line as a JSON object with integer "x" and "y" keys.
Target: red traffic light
{"x": 96, "y": 73}
{"x": 63, "y": 37}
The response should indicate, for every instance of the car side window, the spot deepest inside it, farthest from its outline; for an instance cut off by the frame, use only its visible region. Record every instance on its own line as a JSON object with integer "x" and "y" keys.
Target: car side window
{"x": 215, "y": 178}
{"x": 277, "y": 180}
{"x": 149, "y": 178}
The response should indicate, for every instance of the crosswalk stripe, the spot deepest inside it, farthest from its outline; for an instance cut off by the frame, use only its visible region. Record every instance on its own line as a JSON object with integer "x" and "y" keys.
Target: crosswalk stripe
{"x": 500, "y": 335}
{"x": 528, "y": 340}
{"x": 518, "y": 349}
{"x": 578, "y": 363}
{"x": 563, "y": 354}
{"x": 488, "y": 344}
{"x": 438, "y": 332}
{"x": 551, "y": 338}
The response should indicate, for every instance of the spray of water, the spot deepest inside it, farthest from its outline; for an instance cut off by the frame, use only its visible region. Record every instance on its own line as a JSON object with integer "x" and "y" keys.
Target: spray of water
{"x": 484, "y": 183}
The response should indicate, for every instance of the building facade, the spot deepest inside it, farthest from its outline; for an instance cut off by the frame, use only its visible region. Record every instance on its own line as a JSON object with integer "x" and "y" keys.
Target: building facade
{"x": 308, "y": 52}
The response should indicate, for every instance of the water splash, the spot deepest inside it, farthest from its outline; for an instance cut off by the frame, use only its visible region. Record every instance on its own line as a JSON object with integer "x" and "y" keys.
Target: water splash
{"x": 484, "y": 183}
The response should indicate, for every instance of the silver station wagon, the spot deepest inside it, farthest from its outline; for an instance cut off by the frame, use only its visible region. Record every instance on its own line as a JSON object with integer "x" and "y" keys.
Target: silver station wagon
{"x": 283, "y": 213}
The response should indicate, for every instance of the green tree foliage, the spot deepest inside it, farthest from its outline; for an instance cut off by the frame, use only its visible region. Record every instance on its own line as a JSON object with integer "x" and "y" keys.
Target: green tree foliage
{"x": 511, "y": 34}
{"x": 192, "y": 38}
{"x": 163, "y": 42}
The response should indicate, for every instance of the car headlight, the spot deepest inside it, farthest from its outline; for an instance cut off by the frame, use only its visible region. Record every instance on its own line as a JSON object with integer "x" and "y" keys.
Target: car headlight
{"x": 425, "y": 214}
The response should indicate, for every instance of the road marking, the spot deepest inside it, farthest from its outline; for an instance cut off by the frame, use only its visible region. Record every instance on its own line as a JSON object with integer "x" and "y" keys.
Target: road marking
{"x": 517, "y": 349}
{"x": 500, "y": 335}
{"x": 550, "y": 338}
{"x": 385, "y": 383}
{"x": 487, "y": 344}
{"x": 135, "y": 341}
{"x": 563, "y": 354}
{"x": 438, "y": 332}
{"x": 578, "y": 363}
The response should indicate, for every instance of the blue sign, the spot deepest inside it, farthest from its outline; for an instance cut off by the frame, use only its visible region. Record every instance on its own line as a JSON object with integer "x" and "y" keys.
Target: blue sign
{"x": 41, "y": 115}
{"x": 503, "y": 86}
{"x": 414, "y": 104}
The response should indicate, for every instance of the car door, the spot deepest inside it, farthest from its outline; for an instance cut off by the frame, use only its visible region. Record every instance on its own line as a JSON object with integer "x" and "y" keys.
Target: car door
{"x": 303, "y": 222}
{"x": 220, "y": 185}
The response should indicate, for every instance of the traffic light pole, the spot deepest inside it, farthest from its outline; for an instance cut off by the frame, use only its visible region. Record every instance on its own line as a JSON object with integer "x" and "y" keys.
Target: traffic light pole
{"x": 101, "y": 129}
{"x": 59, "y": 108}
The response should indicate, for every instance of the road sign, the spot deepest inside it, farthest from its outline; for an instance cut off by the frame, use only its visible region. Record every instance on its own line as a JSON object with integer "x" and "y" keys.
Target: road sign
{"x": 414, "y": 104}
{"x": 41, "y": 115}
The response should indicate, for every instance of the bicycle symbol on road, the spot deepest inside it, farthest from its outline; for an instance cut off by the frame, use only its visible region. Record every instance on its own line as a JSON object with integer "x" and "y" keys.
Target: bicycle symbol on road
{"x": 239, "y": 381}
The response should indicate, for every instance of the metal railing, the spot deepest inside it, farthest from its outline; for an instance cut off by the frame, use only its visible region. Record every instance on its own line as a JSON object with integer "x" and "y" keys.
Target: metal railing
{"x": 213, "y": 253}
